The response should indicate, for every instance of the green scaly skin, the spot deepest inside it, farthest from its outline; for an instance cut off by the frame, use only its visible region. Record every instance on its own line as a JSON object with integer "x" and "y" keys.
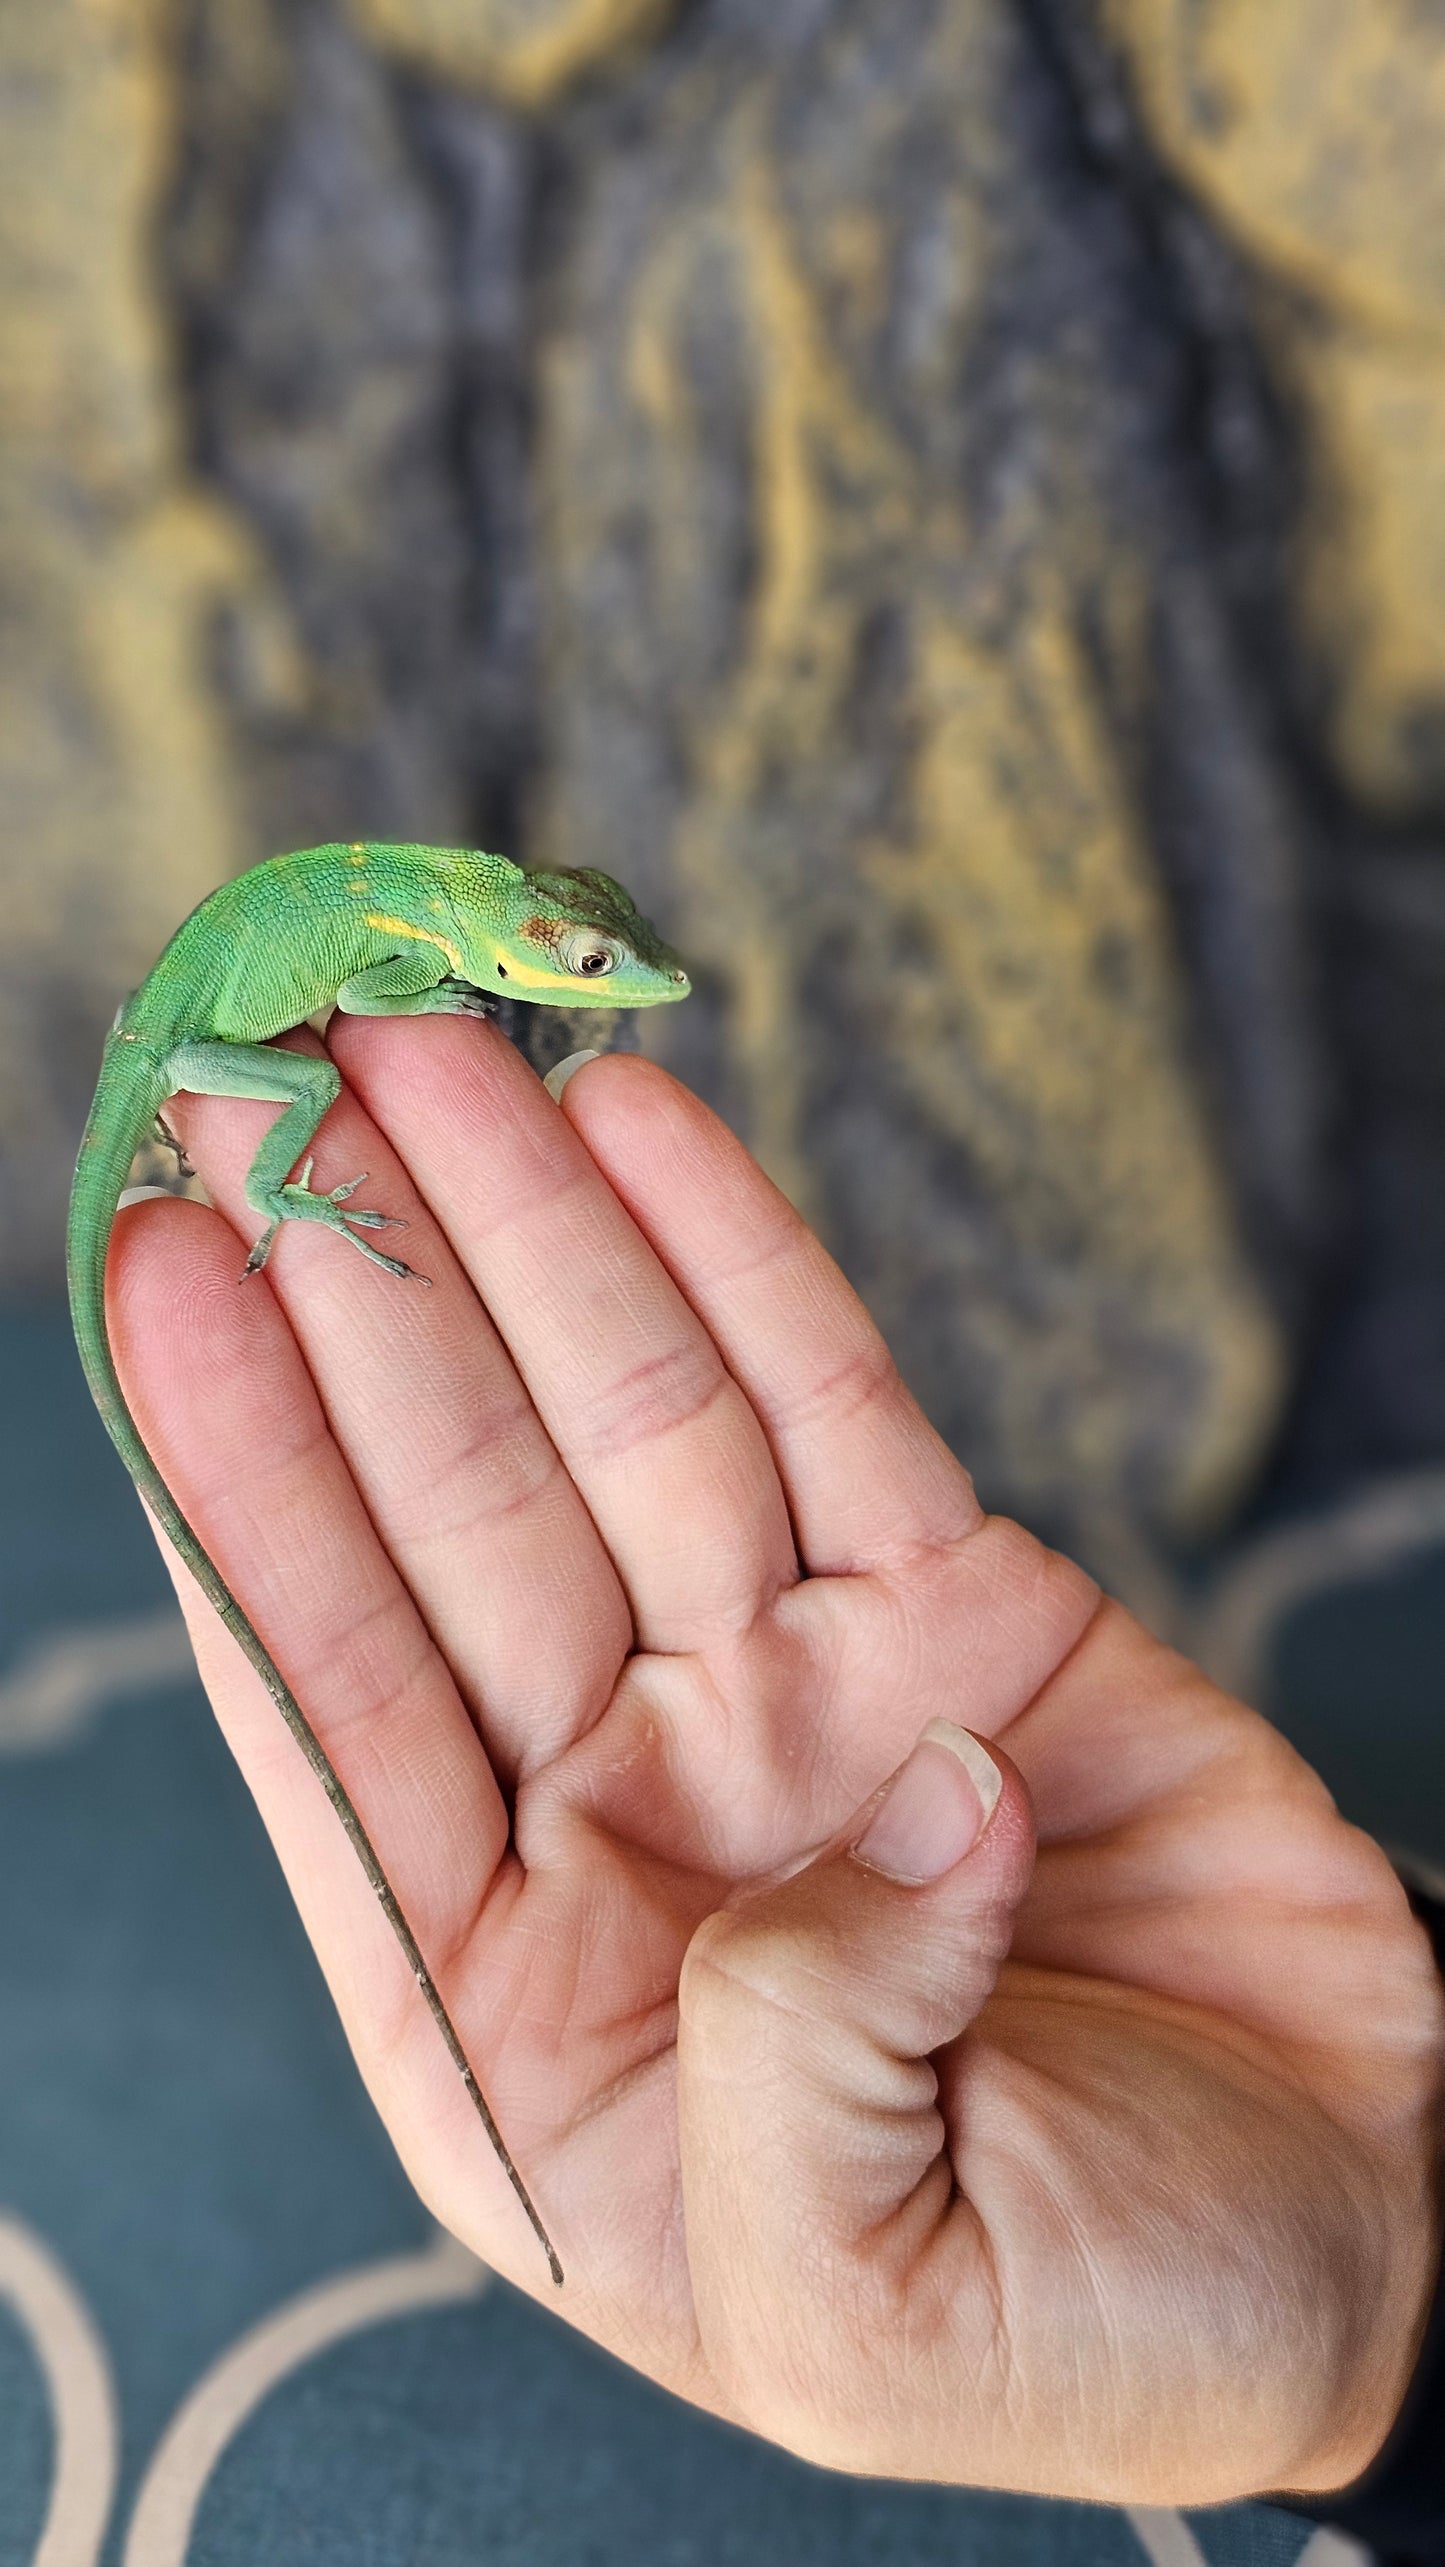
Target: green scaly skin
{"x": 377, "y": 931}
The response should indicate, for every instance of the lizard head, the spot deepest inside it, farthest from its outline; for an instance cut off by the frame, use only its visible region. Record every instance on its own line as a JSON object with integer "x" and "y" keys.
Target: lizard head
{"x": 577, "y": 940}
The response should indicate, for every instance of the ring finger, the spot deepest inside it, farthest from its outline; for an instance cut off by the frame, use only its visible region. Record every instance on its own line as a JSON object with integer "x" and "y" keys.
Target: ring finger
{"x": 455, "y": 1467}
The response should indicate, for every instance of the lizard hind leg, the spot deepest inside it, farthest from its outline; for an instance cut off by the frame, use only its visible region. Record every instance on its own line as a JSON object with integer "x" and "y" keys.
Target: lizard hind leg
{"x": 168, "y": 1140}
{"x": 298, "y": 1201}
{"x": 306, "y": 1087}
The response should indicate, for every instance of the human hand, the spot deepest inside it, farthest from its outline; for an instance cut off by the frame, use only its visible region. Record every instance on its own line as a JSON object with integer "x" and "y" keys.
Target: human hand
{"x": 1105, "y": 2176}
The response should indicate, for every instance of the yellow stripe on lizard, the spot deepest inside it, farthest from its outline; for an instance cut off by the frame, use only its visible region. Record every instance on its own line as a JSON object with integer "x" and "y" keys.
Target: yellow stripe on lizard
{"x": 529, "y": 976}
{"x": 418, "y": 936}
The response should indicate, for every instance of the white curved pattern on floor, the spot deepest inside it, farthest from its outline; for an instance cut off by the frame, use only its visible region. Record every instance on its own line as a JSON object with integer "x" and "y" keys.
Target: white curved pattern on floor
{"x": 61, "y": 1681}
{"x": 58, "y": 2327}
{"x": 77, "y": 2374}
{"x": 1165, "y": 2536}
{"x": 222, "y": 2400}
{"x": 1167, "y": 2541}
{"x": 1379, "y": 1528}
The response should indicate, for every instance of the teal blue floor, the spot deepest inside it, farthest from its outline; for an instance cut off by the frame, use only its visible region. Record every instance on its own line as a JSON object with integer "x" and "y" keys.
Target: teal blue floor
{"x": 1359, "y": 1684}
{"x": 183, "y": 2135}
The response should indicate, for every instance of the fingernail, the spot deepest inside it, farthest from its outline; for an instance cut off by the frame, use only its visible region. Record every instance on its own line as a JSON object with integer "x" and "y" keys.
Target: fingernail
{"x": 934, "y": 1810}
{"x": 560, "y": 1072}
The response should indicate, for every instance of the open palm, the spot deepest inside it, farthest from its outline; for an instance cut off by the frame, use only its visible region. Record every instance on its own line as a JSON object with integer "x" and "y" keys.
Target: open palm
{"x": 617, "y": 1571}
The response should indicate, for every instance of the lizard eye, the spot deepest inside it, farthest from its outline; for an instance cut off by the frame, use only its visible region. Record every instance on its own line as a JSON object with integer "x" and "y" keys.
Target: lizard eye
{"x": 589, "y": 955}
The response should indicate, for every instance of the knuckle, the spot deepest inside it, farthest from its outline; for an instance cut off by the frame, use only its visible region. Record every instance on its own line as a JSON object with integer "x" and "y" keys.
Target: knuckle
{"x": 748, "y": 1972}
{"x": 660, "y": 1397}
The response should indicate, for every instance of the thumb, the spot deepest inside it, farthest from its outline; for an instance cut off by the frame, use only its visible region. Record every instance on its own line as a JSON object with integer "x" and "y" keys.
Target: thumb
{"x": 817, "y": 2153}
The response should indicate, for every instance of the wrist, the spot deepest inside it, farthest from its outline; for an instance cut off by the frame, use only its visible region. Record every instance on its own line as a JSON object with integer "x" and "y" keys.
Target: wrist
{"x": 1383, "y": 2362}
{"x": 1388, "y": 2454}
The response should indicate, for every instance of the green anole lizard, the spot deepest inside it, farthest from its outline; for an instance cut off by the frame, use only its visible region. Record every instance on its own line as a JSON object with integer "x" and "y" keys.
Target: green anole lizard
{"x": 377, "y": 931}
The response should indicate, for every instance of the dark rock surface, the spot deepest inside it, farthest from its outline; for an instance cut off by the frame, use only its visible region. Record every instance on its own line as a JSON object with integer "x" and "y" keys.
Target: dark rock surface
{"x": 769, "y": 480}
{"x": 824, "y": 462}
{"x": 346, "y": 256}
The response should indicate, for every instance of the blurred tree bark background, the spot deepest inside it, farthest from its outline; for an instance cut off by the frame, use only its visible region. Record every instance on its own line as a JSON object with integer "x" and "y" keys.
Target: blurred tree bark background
{"x": 945, "y": 497}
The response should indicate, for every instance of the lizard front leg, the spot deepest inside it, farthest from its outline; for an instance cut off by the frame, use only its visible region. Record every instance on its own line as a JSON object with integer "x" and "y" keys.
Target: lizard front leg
{"x": 412, "y": 984}
{"x": 306, "y": 1087}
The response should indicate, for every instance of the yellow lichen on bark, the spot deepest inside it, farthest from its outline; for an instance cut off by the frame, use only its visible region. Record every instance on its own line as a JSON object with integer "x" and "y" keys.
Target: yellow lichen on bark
{"x": 1314, "y": 134}
{"x": 524, "y": 51}
{"x": 809, "y": 430}
{"x": 1047, "y": 1043}
{"x": 117, "y": 783}
{"x": 1006, "y": 932}
{"x": 1371, "y": 562}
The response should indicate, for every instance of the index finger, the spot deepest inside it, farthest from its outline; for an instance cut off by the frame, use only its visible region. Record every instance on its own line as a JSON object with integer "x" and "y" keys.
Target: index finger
{"x": 866, "y": 1477}
{"x": 669, "y": 1458}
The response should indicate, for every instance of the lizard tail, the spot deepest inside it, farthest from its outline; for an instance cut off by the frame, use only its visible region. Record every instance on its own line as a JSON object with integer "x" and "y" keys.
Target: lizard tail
{"x": 131, "y": 1091}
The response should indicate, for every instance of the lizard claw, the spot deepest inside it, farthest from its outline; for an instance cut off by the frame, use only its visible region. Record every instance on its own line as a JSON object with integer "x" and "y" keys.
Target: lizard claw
{"x": 260, "y": 1252}
{"x": 168, "y": 1141}
{"x": 299, "y": 1201}
{"x": 365, "y": 1220}
{"x": 464, "y": 999}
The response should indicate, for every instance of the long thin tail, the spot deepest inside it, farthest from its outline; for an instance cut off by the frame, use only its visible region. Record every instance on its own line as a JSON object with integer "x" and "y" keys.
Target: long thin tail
{"x": 131, "y": 1092}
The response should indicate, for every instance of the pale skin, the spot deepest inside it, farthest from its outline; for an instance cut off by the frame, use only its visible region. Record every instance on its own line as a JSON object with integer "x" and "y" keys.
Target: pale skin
{"x": 618, "y": 1573}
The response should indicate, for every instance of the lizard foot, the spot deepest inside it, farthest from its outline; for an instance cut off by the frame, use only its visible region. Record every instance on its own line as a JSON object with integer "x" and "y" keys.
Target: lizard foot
{"x": 460, "y": 998}
{"x": 168, "y": 1141}
{"x": 298, "y": 1202}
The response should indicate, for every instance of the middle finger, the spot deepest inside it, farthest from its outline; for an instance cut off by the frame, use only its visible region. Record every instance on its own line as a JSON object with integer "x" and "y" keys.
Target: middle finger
{"x": 666, "y": 1450}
